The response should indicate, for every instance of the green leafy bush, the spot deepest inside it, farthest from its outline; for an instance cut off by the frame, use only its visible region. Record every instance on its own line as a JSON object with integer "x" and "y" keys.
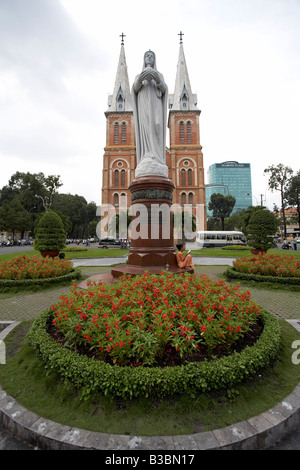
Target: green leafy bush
{"x": 50, "y": 233}
{"x": 261, "y": 229}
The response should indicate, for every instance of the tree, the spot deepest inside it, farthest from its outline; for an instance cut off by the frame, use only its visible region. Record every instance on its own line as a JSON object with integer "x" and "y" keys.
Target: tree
{"x": 78, "y": 212}
{"x": 235, "y": 221}
{"x": 221, "y": 206}
{"x": 293, "y": 193}
{"x": 240, "y": 220}
{"x": 25, "y": 187}
{"x": 28, "y": 185}
{"x": 14, "y": 218}
{"x": 261, "y": 228}
{"x": 78, "y": 216}
{"x": 278, "y": 181}
{"x": 184, "y": 224}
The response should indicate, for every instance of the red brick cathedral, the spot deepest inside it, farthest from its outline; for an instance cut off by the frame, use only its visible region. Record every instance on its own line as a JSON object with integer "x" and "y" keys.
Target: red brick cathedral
{"x": 184, "y": 156}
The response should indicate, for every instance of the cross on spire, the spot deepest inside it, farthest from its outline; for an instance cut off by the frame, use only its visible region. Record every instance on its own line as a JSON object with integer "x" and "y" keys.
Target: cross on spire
{"x": 122, "y": 36}
{"x": 180, "y": 34}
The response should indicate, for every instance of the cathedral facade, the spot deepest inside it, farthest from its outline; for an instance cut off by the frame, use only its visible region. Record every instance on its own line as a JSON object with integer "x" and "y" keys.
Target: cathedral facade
{"x": 184, "y": 156}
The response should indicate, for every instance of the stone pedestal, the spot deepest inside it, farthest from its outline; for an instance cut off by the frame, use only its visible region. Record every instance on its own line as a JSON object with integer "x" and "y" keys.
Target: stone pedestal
{"x": 152, "y": 244}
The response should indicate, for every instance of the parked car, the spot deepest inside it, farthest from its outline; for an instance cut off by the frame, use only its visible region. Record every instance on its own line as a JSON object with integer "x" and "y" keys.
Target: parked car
{"x": 106, "y": 242}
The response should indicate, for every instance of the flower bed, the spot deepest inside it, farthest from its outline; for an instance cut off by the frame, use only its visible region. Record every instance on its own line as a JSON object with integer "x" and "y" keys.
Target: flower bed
{"x": 131, "y": 327}
{"x": 137, "y": 320}
{"x": 24, "y": 270}
{"x": 266, "y": 268}
{"x": 129, "y": 382}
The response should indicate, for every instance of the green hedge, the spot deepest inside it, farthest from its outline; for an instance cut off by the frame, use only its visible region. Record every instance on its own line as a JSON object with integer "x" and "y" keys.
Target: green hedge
{"x": 74, "y": 274}
{"x": 74, "y": 248}
{"x": 128, "y": 382}
{"x": 236, "y": 247}
{"x": 231, "y": 273}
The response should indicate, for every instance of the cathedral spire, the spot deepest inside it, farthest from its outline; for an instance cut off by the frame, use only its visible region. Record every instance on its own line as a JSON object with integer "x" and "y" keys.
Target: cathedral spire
{"x": 183, "y": 99}
{"x": 120, "y": 100}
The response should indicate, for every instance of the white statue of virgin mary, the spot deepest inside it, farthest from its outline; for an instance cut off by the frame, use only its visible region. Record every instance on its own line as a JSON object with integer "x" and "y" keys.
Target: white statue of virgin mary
{"x": 150, "y": 96}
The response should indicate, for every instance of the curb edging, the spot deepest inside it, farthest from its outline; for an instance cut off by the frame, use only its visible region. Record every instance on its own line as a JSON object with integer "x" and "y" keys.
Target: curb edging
{"x": 256, "y": 433}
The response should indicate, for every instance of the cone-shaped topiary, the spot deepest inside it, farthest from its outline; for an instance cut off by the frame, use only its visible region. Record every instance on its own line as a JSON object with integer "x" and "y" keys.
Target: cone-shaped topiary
{"x": 50, "y": 234}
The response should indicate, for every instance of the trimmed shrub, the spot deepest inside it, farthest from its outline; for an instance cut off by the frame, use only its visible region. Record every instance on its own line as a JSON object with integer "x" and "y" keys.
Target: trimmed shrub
{"x": 50, "y": 233}
{"x": 235, "y": 247}
{"x": 261, "y": 228}
{"x": 75, "y": 249}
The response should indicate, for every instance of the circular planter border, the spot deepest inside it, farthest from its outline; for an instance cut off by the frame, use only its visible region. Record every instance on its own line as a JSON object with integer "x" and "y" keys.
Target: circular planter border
{"x": 74, "y": 274}
{"x": 231, "y": 273}
{"x": 129, "y": 382}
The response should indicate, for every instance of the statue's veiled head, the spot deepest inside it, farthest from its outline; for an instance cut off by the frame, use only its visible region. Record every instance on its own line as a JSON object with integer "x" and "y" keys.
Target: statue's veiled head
{"x": 150, "y": 59}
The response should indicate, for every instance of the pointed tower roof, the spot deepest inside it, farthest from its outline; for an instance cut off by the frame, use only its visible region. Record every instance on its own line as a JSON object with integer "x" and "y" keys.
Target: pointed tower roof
{"x": 120, "y": 100}
{"x": 183, "y": 98}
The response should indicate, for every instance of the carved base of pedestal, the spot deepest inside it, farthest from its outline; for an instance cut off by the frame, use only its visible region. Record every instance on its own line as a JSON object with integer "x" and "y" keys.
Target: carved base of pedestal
{"x": 152, "y": 256}
{"x": 119, "y": 271}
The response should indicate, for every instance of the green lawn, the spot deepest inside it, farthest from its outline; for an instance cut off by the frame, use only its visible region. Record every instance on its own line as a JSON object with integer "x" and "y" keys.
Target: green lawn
{"x": 116, "y": 252}
{"x": 219, "y": 253}
{"x": 25, "y": 378}
{"x": 90, "y": 253}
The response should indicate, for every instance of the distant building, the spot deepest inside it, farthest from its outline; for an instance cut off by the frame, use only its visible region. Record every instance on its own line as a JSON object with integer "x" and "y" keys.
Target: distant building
{"x": 230, "y": 178}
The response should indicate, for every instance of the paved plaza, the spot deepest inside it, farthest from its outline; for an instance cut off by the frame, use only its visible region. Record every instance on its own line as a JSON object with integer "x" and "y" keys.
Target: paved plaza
{"x": 28, "y": 306}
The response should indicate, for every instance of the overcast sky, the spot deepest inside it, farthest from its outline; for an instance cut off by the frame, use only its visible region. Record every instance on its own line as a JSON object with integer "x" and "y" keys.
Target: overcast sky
{"x": 58, "y": 62}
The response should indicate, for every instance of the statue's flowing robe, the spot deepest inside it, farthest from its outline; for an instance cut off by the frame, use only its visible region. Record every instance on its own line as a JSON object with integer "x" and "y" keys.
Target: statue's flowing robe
{"x": 150, "y": 114}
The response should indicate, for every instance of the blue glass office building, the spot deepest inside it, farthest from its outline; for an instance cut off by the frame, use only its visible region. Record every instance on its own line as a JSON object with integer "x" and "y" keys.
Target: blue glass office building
{"x": 230, "y": 178}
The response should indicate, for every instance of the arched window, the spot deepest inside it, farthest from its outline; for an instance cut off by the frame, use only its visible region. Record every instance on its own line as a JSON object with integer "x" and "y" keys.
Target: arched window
{"x": 120, "y": 102}
{"x": 116, "y": 133}
{"x": 191, "y": 198}
{"x": 183, "y": 199}
{"x": 123, "y": 133}
{"x": 116, "y": 199}
{"x": 122, "y": 177}
{"x": 190, "y": 180}
{"x": 116, "y": 174}
{"x": 184, "y": 100}
{"x": 183, "y": 177}
{"x": 189, "y": 132}
{"x": 181, "y": 132}
{"x": 123, "y": 200}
